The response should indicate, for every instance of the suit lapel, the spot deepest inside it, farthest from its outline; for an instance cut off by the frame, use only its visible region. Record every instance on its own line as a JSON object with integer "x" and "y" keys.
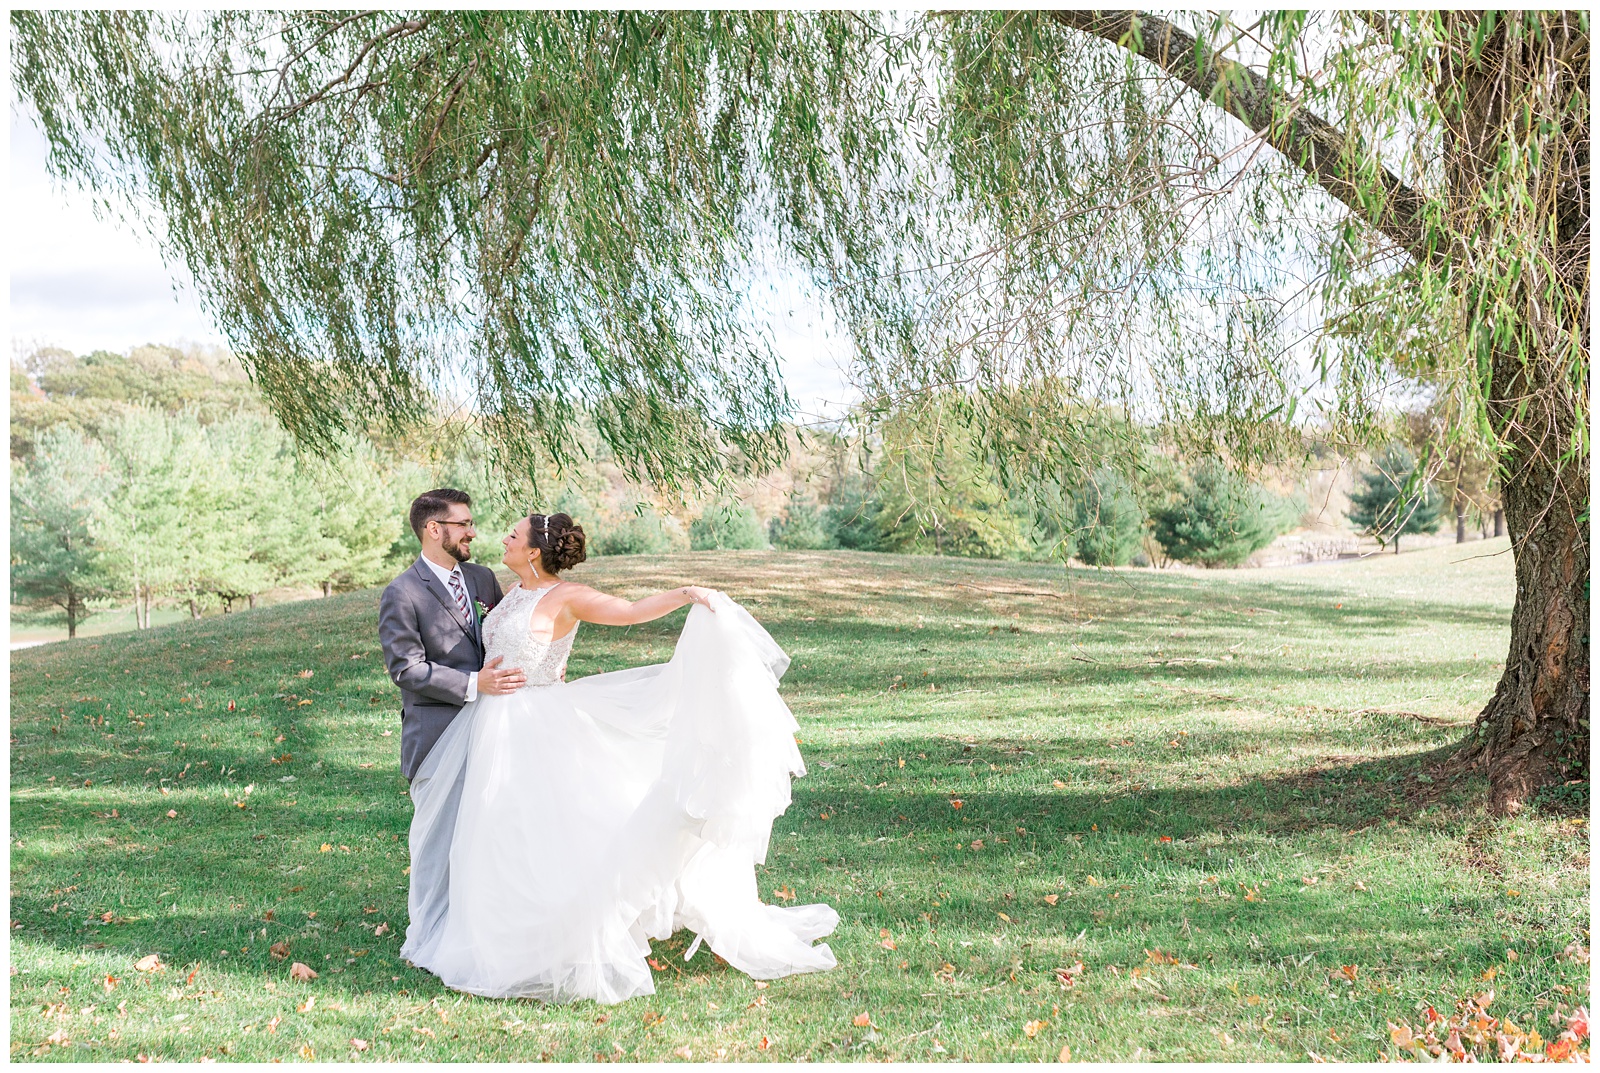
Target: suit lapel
{"x": 442, "y": 594}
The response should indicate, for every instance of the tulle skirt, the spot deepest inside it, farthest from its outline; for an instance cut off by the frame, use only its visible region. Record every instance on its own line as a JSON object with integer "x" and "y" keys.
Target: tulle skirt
{"x": 558, "y": 829}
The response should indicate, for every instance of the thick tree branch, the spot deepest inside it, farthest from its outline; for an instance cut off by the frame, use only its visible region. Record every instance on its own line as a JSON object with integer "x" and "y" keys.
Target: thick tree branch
{"x": 1338, "y": 164}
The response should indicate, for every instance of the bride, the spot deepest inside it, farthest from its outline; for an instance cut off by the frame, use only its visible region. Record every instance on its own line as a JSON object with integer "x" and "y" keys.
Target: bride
{"x": 584, "y": 818}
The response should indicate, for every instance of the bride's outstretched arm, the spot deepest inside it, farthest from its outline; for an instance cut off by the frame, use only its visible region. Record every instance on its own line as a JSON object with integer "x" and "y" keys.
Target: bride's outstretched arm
{"x": 589, "y": 605}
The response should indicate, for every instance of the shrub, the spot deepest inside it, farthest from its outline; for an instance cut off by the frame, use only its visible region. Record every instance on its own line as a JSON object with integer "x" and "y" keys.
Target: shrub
{"x": 1218, "y": 518}
{"x": 634, "y": 534}
{"x": 726, "y": 526}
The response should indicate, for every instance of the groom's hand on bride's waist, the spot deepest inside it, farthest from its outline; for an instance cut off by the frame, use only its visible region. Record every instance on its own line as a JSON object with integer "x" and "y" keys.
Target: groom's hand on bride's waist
{"x": 497, "y": 681}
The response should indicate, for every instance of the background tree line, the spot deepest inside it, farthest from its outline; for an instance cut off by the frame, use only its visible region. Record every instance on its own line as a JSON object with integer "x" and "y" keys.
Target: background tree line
{"x": 159, "y": 478}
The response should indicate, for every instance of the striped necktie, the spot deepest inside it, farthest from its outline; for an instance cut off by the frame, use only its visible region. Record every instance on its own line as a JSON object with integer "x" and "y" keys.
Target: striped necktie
{"x": 461, "y": 596}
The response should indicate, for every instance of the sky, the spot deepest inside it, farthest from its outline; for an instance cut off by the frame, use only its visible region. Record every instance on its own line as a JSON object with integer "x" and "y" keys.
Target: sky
{"x": 85, "y": 283}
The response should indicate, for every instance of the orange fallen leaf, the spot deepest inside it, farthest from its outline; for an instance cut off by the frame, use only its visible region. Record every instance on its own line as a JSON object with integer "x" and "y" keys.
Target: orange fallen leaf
{"x": 1065, "y": 1055}
{"x": 887, "y": 944}
{"x": 1051, "y": 899}
{"x": 326, "y": 847}
{"x": 279, "y": 951}
{"x": 172, "y": 813}
{"x": 111, "y": 982}
{"x": 301, "y": 971}
{"x": 381, "y": 929}
{"x": 307, "y": 1053}
{"x": 764, "y": 1044}
{"x": 308, "y": 1005}
{"x": 1059, "y": 785}
{"x": 1489, "y": 974}
{"x": 1166, "y": 838}
{"x": 1349, "y": 971}
{"x": 1031, "y": 1029}
{"x": 956, "y": 802}
{"x": 861, "y": 1020}
{"x": 149, "y": 963}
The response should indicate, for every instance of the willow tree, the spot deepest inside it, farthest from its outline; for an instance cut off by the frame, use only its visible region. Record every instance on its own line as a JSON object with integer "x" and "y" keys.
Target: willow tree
{"x": 1229, "y": 230}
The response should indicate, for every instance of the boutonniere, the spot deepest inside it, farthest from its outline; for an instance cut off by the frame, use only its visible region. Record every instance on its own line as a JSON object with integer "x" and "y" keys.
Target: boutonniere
{"x": 483, "y": 608}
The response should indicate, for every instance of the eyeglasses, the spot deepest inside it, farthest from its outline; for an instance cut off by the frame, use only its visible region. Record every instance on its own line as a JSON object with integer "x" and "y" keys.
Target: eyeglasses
{"x": 468, "y": 523}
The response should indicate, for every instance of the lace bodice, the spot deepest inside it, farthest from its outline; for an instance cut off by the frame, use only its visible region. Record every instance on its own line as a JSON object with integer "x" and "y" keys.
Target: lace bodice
{"x": 508, "y": 633}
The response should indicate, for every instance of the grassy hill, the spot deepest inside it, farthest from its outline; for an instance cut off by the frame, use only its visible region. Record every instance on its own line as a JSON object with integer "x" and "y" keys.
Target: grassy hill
{"x": 1209, "y": 789}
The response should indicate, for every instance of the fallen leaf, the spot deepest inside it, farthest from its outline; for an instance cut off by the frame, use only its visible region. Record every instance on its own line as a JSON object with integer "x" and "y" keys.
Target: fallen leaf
{"x": 272, "y": 1025}
{"x": 307, "y": 1053}
{"x": 861, "y": 1020}
{"x": 656, "y": 965}
{"x": 301, "y": 971}
{"x": 1003, "y": 917}
{"x": 280, "y": 951}
{"x": 172, "y": 813}
{"x": 359, "y": 1044}
{"x": 1051, "y": 899}
{"x": 1065, "y": 1055}
{"x": 111, "y": 982}
{"x": 956, "y": 802}
{"x": 1349, "y": 972}
{"x": 763, "y": 1045}
{"x": 784, "y": 894}
{"x": 305, "y": 674}
{"x": 149, "y": 963}
{"x": 1253, "y": 1000}
{"x": 1166, "y": 838}
{"x": 1489, "y": 974}
{"x": 684, "y": 1053}
{"x": 326, "y": 847}
{"x": 1059, "y": 785}
{"x": 1031, "y": 1029}
{"x": 381, "y": 929}
{"x": 308, "y": 1005}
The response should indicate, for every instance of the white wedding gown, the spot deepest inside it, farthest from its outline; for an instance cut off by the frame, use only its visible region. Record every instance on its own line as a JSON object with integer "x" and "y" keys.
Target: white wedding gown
{"x": 560, "y": 827}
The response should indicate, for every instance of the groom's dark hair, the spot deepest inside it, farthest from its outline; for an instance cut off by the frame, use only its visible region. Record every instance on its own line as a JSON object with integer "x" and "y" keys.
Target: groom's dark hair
{"x": 435, "y": 504}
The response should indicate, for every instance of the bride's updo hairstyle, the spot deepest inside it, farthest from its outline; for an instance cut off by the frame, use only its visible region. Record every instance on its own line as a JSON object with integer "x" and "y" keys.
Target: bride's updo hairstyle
{"x": 560, "y": 541}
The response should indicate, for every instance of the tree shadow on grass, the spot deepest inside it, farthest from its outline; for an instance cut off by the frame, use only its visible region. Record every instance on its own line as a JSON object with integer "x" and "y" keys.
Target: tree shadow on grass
{"x": 231, "y": 875}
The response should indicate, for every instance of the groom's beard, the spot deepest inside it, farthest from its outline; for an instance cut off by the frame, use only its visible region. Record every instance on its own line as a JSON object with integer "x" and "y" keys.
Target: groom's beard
{"x": 460, "y": 552}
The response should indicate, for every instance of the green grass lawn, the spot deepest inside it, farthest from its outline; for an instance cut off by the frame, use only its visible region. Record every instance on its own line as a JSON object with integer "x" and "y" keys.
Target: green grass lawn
{"x": 1210, "y": 790}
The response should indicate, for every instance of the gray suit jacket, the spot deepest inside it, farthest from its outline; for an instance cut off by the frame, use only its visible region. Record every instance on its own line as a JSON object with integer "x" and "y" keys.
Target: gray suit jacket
{"x": 430, "y": 651}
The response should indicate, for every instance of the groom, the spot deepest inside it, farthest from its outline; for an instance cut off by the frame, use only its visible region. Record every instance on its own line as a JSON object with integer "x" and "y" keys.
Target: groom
{"x": 430, "y": 624}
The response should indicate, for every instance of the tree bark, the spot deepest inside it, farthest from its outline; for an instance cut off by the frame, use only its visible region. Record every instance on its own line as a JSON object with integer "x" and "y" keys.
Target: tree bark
{"x": 72, "y": 615}
{"x": 1499, "y": 521}
{"x": 194, "y": 608}
{"x": 327, "y": 589}
{"x": 1461, "y": 523}
{"x": 252, "y": 599}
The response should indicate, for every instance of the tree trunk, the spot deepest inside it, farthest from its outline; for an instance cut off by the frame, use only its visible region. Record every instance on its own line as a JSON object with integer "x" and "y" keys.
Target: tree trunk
{"x": 327, "y": 589}
{"x": 1499, "y": 521}
{"x": 252, "y": 599}
{"x": 72, "y": 616}
{"x": 194, "y": 608}
{"x": 1397, "y": 543}
{"x": 1535, "y": 731}
{"x": 1461, "y": 523}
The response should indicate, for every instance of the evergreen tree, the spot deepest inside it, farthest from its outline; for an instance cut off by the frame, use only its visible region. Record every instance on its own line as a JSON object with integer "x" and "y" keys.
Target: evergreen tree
{"x": 58, "y": 509}
{"x": 1218, "y": 518}
{"x": 801, "y": 527}
{"x": 726, "y": 525}
{"x": 1390, "y": 503}
{"x": 1109, "y": 523}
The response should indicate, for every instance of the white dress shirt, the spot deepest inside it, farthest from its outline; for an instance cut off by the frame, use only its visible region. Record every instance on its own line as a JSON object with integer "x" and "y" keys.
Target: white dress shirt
{"x": 444, "y": 577}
